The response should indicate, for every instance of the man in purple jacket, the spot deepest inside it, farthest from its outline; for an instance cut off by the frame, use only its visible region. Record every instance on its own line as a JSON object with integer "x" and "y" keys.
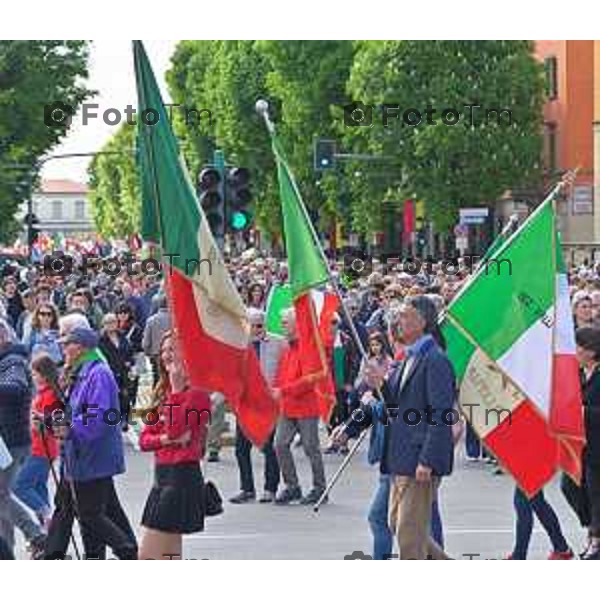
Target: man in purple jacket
{"x": 92, "y": 451}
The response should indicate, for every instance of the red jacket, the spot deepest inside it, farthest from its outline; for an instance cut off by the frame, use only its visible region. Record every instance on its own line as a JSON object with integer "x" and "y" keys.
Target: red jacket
{"x": 44, "y": 399}
{"x": 175, "y": 416}
{"x": 298, "y": 396}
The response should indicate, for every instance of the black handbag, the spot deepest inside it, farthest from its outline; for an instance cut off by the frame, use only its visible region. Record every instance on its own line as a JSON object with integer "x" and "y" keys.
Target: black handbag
{"x": 213, "y": 502}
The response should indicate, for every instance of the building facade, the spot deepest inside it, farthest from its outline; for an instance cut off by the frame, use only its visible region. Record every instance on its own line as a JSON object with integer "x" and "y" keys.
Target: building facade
{"x": 62, "y": 206}
{"x": 572, "y": 69}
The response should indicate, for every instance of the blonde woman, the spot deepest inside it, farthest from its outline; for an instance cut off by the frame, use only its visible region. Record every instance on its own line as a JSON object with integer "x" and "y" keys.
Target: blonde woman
{"x": 177, "y": 437}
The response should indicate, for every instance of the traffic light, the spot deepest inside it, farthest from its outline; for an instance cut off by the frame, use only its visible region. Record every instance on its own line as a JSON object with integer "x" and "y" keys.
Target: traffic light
{"x": 239, "y": 196}
{"x": 324, "y": 155}
{"x": 31, "y": 221}
{"x": 210, "y": 193}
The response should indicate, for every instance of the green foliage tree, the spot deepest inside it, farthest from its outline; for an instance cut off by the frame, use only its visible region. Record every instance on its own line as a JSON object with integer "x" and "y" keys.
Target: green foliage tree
{"x": 301, "y": 79}
{"x": 115, "y": 186}
{"x": 307, "y": 84}
{"x": 33, "y": 73}
{"x": 449, "y": 166}
{"x": 307, "y": 79}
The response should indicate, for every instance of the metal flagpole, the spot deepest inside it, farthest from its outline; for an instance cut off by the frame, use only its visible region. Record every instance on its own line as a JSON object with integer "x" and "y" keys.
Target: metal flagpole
{"x": 341, "y": 469}
{"x": 55, "y": 479}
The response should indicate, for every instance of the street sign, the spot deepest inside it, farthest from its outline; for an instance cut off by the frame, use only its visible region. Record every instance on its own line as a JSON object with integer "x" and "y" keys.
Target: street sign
{"x": 583, "y": 200}
{"x": 472, "y": 220}
{"x": 467, "y": 213}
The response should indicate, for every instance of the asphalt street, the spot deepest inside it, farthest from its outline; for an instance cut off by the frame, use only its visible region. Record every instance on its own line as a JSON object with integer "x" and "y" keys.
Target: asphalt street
{"x": 476, "y": 508}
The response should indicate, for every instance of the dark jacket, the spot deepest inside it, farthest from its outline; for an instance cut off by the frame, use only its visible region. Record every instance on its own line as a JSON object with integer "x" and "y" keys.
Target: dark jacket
{"x": 134, "y": 335}
{"x": 430, "y": 383}
{"x": 15, "y": 396}
{"x": 591, "y": 402}
{"x": 117, "y": 358}
{"x": 14, "y": 308}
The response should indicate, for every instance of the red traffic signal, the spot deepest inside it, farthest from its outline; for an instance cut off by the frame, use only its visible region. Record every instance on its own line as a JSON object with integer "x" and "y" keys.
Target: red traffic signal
{"x": 210, "y": 194}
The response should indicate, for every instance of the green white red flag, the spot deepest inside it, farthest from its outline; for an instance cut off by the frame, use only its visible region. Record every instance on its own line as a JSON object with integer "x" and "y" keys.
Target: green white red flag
{"x": 510, "y": 336}
{"x": 280, "y": 298}
{"x": 208, "y": 313}
{"x": 306, "y": 271}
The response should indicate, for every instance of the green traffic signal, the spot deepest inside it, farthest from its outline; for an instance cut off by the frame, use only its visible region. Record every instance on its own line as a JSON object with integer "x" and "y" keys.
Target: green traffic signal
{"x": 240, "y": 220}
{"x": 239, "y": 196}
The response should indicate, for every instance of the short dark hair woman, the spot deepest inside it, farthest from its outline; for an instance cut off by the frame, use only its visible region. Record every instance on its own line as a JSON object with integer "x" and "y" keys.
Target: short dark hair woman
{"x": 176, "y": 502}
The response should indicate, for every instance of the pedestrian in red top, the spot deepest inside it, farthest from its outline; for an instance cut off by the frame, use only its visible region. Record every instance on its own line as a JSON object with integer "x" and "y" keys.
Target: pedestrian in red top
{"x": 175, "y": 505}
{"x": 297, "y": 397}
{"x": 31, "y": 485}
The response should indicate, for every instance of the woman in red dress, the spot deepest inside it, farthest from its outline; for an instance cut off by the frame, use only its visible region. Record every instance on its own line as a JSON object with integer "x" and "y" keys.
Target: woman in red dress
{"x": 176, "y": 432}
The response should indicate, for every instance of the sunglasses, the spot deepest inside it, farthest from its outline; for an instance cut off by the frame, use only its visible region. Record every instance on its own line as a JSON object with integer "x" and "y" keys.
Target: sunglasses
{"x": 45, "y": 314}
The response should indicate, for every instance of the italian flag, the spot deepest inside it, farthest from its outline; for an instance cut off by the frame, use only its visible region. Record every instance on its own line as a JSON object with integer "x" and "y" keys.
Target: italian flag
{"x": 280, "y": 298}
{"x": 207, "y": 311}
{"x": 306, "y": 271}
{"x": 511, "y": 339}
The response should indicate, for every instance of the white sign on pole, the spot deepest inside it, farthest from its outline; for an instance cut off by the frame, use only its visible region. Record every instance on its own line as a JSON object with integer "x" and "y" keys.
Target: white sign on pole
{"x": 471, "y": 213}
{"x": 583, "y": 200}
{"x": 462, "y": 243}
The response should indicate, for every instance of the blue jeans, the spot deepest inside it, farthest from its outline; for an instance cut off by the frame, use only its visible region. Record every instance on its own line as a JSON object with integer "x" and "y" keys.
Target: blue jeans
{"x": 31, "y": 485}
{"x": 378, "y": 521}
{"x": 13, "y": 513}
{"x": 472, "y": 443}
{"x": 547, "y": 517}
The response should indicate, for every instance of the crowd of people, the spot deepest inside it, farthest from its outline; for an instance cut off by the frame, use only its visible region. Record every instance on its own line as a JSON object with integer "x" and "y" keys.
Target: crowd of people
{"x": 72, "y": 341}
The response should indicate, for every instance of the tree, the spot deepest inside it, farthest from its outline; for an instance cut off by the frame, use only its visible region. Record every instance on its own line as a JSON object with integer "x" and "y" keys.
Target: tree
{"x": 301, "y": 79}
{"x": 32, "y": 74}
{"x": 448, "y": 166}
{"x": 114, "y": 185}
{"x": 227, "y": 77}
{"x": 308, "y": 78}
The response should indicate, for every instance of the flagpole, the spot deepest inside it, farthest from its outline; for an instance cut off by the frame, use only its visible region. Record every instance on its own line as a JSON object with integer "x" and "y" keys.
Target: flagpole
{"x": 147, "y": 131}
{"x": 262, "y": 108}
{"x": 549, "y": 198}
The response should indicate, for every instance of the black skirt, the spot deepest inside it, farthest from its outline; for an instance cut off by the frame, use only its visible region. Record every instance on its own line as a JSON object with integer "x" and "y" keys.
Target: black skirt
{"x": 176, "y": 501}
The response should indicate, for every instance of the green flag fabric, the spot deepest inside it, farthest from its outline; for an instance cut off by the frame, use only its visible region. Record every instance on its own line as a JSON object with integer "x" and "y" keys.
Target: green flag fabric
{"x": 306, "y": 267}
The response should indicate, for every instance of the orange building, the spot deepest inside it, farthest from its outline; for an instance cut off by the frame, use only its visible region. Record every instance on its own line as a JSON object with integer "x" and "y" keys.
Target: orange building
{"x": 572, "y": 69}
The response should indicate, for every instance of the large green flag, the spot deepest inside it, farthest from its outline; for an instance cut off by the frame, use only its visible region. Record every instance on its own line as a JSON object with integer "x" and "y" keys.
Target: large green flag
{"x": 305, "y": 264}
{"x": 207, "y": 312}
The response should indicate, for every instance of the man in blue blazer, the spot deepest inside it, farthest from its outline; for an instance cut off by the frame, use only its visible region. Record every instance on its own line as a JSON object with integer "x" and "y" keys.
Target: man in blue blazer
{"x": 419, "y": 396}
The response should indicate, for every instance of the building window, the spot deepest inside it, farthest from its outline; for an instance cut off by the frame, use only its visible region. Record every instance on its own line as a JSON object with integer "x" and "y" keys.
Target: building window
{"x": 80, "y": 210}
{"x": 551, "y": 147}
{"x": 57, "y": 210}
{"x": 550, "y": 67}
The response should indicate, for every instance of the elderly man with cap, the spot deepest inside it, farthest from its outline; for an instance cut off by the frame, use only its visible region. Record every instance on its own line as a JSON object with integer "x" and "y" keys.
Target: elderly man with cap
{"x": 419, "y": 395}
{"x": 268, "y": 350}
{"x": 92, "y": 451}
